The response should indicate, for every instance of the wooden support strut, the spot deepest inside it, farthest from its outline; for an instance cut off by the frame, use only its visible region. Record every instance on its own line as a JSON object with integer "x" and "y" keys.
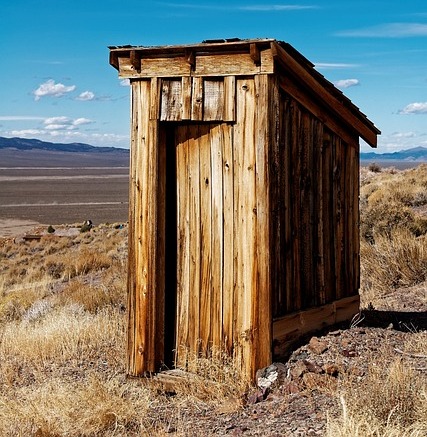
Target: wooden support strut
{"x": 255, "y": 54}
{"x": 135, "y": 60}
{"x": 190, "y": 58}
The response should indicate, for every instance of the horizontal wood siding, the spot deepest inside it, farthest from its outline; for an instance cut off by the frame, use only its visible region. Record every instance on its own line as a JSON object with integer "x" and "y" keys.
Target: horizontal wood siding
{"x": 219, "y": 64}
{"x": 315, "y": 247}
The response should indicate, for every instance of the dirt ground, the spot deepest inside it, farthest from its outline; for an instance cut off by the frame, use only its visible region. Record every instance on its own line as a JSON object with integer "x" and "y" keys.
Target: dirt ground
{"x": 305, "y": 394}
{"x": 16, "y": 227}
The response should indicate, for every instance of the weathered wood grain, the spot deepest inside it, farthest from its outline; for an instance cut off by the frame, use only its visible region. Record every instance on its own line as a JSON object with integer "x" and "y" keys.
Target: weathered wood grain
{"x": 263, "y": 159}
{"x": 145, "y": 292}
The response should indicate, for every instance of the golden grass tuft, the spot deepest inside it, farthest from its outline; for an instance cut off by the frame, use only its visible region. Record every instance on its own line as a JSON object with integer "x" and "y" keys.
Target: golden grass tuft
{"x": 95, "y": 406}
{"x": 391, "y": 401}
{"x": 397, "y": 260}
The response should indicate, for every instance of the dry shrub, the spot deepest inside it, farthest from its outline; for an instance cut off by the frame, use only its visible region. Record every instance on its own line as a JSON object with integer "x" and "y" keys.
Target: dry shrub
{"x": 75, "y": 263}
{"x": 390, "y": 403}
{"x": 214, "y": 377}
{"x": 398, "y": 260}
{"x": 374, "y": 167}
{"x": 389, "y": 200}
{"x": 92, "y": 296}
{"x": 82, "y": 408}
{"x": 15, "y": 303}
{"x": 63, "y": 334}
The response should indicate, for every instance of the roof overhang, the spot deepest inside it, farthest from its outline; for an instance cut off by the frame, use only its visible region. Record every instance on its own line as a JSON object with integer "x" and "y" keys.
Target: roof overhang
{"x": 252, "y": 56}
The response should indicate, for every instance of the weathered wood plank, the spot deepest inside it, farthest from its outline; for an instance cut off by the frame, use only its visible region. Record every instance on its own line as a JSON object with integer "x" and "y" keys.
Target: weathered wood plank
{"x": 193, "y": 172}
{"x": 306, "y": 212}
{"x": 228, "y": 236}
{"x": 155, "y": 67}
{"x": 159, "y": 141}
{"x": 328, "y": 222}
{"x": 205, "y": 65}
{"x": 186, "y": 84}
{"x": 302, "y": 96}
{"x": 245, "y": 220}
{"x": 145, "y": 290}
{"x": 132, "y": 356}
{"x": 319, "y": 174}
{"x": 197, "y": 99}
{"x": 321, "y": 93}
{"x": 217, "y": 206}
{"x": 206, "y": 188}
{"x": 276, "y": 195}
{"x": 356, "y": 218}
{"x": 287, "y": 277}
{"x": 289, "y": 329}
{"x": 261, "y": 297}
{"x": 213, "y": 99}
{"x": 296, "y": 206}
{"x": 183, "y": 243}
{"x": 224, "y": 65}
{"x": 338, "y": 215}
{"x": 171, "y": 100}
{"x": 155, "y": 98}
{"x": 229, "y": 113}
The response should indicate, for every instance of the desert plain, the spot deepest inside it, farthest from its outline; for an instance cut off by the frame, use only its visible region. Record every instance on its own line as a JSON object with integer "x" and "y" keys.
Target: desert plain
{"x": 42, "y": 191}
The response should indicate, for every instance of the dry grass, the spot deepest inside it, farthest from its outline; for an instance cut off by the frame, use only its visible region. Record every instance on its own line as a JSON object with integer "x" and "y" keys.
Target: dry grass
{"x": 392, "y": 199}
{"x": 391, "y": 401}
{"x": 393, "y": 261}
{"x": 63, "y": 322}
{"x": 393, "y": 226}
{"x": 62, "y": 346}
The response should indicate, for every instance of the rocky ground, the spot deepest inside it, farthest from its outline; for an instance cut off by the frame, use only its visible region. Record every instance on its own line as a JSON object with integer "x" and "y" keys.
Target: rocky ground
{"x": 305, "y": 393}
{"x": 296, "y": 397}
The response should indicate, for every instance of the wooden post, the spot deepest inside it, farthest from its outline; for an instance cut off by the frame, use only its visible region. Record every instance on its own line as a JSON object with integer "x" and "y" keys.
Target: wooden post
{"x": 146, "y": 239}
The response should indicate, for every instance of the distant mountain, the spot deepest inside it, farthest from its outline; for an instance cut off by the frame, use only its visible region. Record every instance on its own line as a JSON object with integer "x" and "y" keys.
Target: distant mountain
{"x": 33, "y": 144}
{"x": 417, "y": 154}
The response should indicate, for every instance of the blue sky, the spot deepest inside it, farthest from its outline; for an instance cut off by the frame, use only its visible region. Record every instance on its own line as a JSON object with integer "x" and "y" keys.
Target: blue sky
{"x": 56, "y": 83}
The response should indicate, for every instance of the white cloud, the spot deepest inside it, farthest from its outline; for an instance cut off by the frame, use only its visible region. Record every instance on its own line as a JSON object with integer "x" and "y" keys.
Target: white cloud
{"x": 125, "y": 82}
{"x": 275, "y": 7}
{"x": 390, "y": 30}
{"x": 25, "y": 132}
{"x": 403, "y": 135}
{"x": 346, "y": 83}
{"x": 64, "y": 123}
{"x": 81, "y": 120}
{"x": 255, "y": 8}
{"x": 86, "y": 96}
{"x": 323, "y": 65}
{"x": 52, "y": 89}
{"x": 400, "y": 140}
{"x": 415, "y": 108}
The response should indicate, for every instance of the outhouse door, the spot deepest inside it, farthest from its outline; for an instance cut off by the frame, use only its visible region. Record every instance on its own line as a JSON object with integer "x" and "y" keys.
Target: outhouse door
{"x": 204, "y": 223}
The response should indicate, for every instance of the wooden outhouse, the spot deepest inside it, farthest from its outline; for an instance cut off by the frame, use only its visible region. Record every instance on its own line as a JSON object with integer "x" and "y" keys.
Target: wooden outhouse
{"x": 244, "y": 216}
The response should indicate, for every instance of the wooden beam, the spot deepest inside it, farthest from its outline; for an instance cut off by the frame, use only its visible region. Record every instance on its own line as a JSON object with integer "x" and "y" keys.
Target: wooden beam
{"x": 306, "y": 80}
{"x": 114, "y": 59}
{"x": 135, "y": 60}
{"x": 291, "y": 328}
{"x": 255, "y": 54}
{"x": 190, "y": 58}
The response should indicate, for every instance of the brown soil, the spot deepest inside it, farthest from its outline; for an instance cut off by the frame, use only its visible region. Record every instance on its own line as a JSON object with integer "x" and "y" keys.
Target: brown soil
{"x": 15, "y": 227}
{"x": 307, "y": 393}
